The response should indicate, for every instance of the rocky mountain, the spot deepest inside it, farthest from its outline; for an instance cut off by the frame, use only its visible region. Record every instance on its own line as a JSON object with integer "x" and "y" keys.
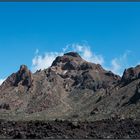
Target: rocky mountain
{"x": 70, "y": 89}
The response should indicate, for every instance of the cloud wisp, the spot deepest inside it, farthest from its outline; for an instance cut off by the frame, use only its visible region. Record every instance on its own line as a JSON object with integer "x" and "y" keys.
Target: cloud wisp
{"x": 117, "y": 65}
{"x": 45, "y": 60}
{"x": 86, "y": 53}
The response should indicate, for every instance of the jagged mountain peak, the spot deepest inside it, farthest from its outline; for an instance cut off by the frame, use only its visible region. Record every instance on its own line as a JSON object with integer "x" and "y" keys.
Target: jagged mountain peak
{"x": 130, "y": 74}
{"x": 22, "y": 77}
{"x": 73, "y": 54}
{"x": 84, "y": 74}
{"x": 73, "y": 61}
{"x": 67, "y": 58}
{"x": 70, "y": 83}
{"x": 23, "y": 67}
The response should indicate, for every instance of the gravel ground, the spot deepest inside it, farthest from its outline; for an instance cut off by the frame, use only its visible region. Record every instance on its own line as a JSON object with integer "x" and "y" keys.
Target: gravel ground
{"x": 111, "y": 128}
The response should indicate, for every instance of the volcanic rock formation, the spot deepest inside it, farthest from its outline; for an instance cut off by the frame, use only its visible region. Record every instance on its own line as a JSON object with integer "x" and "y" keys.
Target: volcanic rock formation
{"x": 71, "y": 88}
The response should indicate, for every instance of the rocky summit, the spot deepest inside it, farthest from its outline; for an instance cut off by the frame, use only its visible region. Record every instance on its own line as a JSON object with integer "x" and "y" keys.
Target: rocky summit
{"x": 71, "y": 89}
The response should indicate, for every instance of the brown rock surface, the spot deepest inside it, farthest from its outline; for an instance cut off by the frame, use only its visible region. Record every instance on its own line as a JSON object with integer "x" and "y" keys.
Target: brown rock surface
{"x": 71, "y": 88}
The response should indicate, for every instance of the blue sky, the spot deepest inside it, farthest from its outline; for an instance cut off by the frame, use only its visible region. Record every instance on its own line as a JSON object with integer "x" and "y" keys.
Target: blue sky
{"x": 109, "y": 31}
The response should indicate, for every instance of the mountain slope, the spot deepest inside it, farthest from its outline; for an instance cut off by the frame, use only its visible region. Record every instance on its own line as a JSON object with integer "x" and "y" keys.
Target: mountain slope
{"x": 71, "y": 88}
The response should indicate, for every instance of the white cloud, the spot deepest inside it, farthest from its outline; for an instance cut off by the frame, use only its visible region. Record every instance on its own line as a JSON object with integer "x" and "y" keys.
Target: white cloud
{"x": 119, "y": 64}
{"x": 115, "y": 66}
{"x": 44, "y": 61}
{"x": 85, "y": 51}
{"x": 1, "y": 81}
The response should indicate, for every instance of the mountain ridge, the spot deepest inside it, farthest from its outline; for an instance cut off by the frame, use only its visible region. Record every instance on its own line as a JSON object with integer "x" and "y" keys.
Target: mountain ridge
{"x": 71, "y": 88}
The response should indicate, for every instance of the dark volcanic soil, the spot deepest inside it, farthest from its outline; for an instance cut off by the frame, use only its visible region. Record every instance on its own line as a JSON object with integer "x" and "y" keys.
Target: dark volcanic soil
{"x": 113, "y": 128}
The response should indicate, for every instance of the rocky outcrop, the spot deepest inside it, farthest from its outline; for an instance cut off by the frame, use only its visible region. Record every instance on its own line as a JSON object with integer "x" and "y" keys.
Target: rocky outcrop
{"x": 130, "y": 75}
{"x": 86, "y": 75}
{"x": 22, "y": 77}
{"x": 73, "y": 54}
{"x": 87, "y": 81}
{"x": 71, "y": 88}
{"x": 136, "y": 97}
{"x": 70, "y": 66}
{"x": 85, "y": 66}
{"x": 5, "y": 106}
{"x": 68, "y": 58}
{"x": 111, "y": 74}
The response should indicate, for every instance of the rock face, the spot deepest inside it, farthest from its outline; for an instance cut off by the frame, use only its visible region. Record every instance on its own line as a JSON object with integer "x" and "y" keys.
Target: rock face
{"x": 130, "y": 74}
{"x": 5, "y": 106}
{"x": 22, "y": 77}
{"x": 70, "y": 58}
{"x": 85, "y": 75}
{"x": 71, "y": 88}
{"x": 136, "y": 97}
